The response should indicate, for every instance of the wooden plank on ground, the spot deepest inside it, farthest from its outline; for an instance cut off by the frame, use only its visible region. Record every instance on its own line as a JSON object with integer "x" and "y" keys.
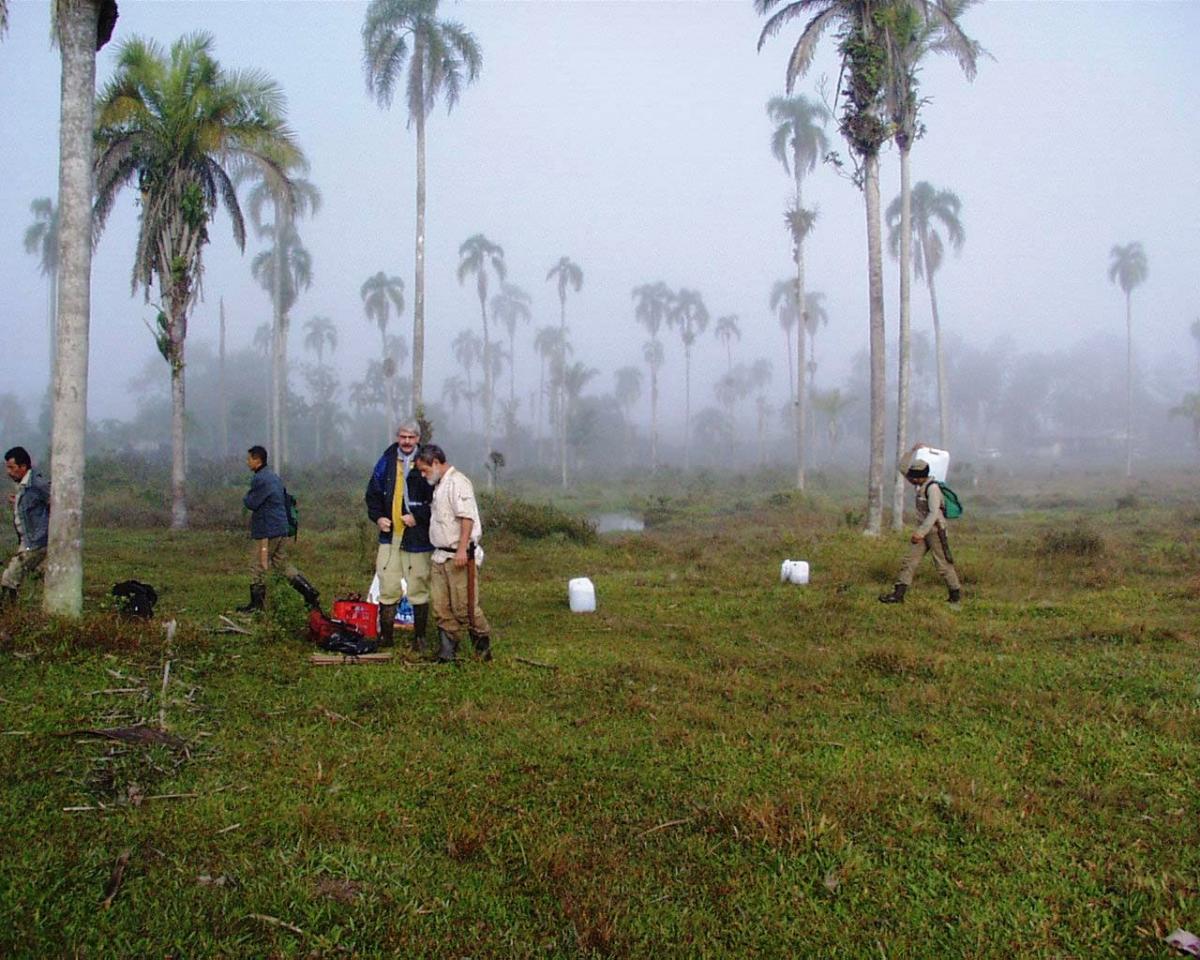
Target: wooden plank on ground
{"x": 337, "y": 659}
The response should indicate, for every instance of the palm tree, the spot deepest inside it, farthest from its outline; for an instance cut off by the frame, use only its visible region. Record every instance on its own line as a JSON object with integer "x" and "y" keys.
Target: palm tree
{"x": 477, "y": 254}
{"x": 574, "y": 378}
{"x": 80, "y": 28}
{"x": 689, "y": 314}
{"x": 569, "y": 276}
{"x": 727, "y": 330}
{"x": 797, "y": 143}
{"x": 283, "y": 270}
{"x": 1127, "y": 268}
{"x": 468, "y": 351}
{"x": 511, "y": 306}
{"x": 627, "y": 388}
{"x": 173, "y": 123}
{"x": 381, "y": 294}
{"x": 651, "y": 310}
{"x": 441, "y": 56}
{"x": 453, "y": 391}
{"x": 832, "y": 404}
{"x": 41, "y": 238}
{"x": 863, "y": 54}
{"x": 760, "y": 376}
{"x": 909, "y": 37}
{"x": 281, "y": 276}
{"x": 320, "y": 335}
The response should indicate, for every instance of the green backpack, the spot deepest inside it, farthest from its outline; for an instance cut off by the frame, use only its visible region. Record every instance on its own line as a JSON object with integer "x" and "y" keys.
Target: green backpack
{"x": 951, "y": 505}
{"x": 293, "y": 514}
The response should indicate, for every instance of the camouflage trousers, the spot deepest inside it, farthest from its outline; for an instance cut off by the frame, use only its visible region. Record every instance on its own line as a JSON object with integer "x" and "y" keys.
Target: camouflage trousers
{"x": 23, "y": 563}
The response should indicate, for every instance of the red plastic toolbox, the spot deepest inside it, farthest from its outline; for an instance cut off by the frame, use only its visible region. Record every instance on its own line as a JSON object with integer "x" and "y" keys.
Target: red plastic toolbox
{"x": 361, "y": 615}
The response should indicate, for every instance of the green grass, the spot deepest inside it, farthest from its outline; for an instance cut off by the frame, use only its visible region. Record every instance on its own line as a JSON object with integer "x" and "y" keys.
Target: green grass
{"x": 719, "y": 766}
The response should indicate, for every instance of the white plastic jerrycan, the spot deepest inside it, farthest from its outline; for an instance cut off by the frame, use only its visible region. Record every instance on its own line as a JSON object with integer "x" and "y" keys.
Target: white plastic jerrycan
{"x": 794, "y": 571}
{"x": 938, "y": 460}
{"x": 582, "y": 595}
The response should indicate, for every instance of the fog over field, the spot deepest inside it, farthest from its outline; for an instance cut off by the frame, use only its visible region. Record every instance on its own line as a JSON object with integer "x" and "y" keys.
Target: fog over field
{"x": 633, "y": 138}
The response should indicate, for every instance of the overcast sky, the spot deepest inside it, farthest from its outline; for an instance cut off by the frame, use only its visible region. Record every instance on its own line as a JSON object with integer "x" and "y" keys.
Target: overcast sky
{"x": 632, "y": 136}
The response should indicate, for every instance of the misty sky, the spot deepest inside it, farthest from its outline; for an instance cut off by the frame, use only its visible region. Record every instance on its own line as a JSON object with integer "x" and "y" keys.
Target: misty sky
{"x": 632, "y": 136}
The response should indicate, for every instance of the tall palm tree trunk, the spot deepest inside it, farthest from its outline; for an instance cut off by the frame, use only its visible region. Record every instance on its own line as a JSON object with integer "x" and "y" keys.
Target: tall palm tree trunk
{"x": 942, "y": 386}
{"x": 179, "y": 517}
{"x": 284, "y": 451}
{"x": 1128, "y": 384}
{"x": 63, "y": 591}
{"x": 224, "y": 414}
{"x": 512, "y": 369}
{"x": 418, "y": 374}
{"x": 562, "y": 391}
{"x": 653, "y": 419}
{"x": 902, "y": 400}
{"x": 878, "y": 346}
{"x": 791, "y": 373}
{"x": 687, "y": 408}
{"x": 487, "y": 391}
{"x": 277, "y": 342}
{"x": 801, "y": 410}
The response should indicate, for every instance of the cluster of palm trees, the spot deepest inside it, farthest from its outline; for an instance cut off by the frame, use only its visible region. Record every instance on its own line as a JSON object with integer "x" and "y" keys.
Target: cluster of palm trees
{"x": 881, "y": 46}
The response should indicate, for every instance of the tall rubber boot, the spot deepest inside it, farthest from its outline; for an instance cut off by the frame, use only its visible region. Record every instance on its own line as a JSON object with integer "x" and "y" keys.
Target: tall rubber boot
{"x": 483, "y": 645}
{"x": 420, "y": 624}
{"x": 447, "y": 646}
{"x": 897, "y": 594}
{"x": 257, "y": 595}
{"x": 301, "y": 585}
{"x": 387, "y": 625}
{"x": 955, "y": 596}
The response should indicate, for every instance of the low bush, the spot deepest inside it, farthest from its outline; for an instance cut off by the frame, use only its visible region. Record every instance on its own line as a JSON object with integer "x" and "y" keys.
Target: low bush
{"x": 533, "y": 521}
{"x": 1077, "y": 541}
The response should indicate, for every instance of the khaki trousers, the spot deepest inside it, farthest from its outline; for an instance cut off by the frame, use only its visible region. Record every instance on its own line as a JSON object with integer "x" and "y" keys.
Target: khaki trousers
{"x": 449, "y": 590}
{"x": 916, "y": 552}
{"x": 392, "y": 563}
{"x": 269, "y": 555}
{"x": 23, "y": 563}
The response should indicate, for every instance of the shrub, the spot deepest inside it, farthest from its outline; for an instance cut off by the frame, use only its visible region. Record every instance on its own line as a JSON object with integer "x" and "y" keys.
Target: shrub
{"x": 1077, "y": 541}
{"x": 533, "y": 521}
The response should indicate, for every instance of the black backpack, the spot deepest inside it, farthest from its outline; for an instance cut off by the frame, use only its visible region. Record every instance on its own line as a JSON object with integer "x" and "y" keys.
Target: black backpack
{"x": 135, "y": 599}
{"x": 293, "y": 514}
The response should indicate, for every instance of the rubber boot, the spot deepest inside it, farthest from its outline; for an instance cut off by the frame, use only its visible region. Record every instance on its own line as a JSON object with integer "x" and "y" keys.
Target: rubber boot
{"x": 257, "y": 595}
{"x": 387, "y": 625}
{"x": 301, "y": 585}
{"x": 955, "y": 596}
{"x": 420, "y": 625}
{"x": 447, "y": 646}
{"x": 483, "y": 645}
{"x": 897, "y": 594}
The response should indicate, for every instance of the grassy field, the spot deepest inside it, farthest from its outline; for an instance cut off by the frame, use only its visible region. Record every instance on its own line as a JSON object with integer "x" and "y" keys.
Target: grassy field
{"x": 716, "y": 766}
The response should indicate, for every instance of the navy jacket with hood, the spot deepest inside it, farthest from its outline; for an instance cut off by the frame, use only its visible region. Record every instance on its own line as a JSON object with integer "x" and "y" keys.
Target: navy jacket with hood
{"x": 381, "y": 492}
{"x": 268, "y": 517}
{"x": 33, "y": 503}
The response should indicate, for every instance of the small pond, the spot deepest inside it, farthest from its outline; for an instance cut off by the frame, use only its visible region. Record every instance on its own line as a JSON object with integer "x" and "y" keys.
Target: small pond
{"x": 617, "y": 522}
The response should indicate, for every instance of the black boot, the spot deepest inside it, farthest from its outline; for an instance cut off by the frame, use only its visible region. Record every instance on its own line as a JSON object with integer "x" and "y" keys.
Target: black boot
{"x": 257, "y": 595}
{"x": 897, "y": 594}
{"x": 387, "y": 625}
{"x": 9, "y": 596}
{"x": 483, "y": 645}
{"x": 301, "y": 585}
{"x": 955, "y": 596}
{"x": 447, "y": 646}
{"x": 420, "y": 624}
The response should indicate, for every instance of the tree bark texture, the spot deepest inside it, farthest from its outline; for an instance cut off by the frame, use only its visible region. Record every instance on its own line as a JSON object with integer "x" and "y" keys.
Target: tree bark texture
{"x": 418, "y": 336}
{"x": 63, "y": 590}
{"x": 878, "y": 346}
{"x": 905, "y": 364}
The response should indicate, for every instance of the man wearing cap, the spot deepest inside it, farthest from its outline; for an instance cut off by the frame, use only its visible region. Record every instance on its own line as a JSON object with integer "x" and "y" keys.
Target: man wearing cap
{"x": 930, "y": 536}
{"x": 398, "y": 499}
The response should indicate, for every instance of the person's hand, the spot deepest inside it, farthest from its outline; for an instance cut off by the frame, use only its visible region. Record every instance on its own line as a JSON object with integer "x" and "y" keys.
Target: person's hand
{"x": 408, "y": 520}
{"x": 460, "y": 558}
{"x": 916, "y": 538}
{"x": 384, "y": 524}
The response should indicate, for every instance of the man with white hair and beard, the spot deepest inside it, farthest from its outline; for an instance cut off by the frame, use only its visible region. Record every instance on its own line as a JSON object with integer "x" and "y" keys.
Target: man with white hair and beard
{"x": 398, "y": 499}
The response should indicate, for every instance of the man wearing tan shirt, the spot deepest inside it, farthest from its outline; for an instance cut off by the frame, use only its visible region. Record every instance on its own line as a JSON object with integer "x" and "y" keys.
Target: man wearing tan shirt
{"x": 454, "y": 531}
{"x": 929, "y": 537}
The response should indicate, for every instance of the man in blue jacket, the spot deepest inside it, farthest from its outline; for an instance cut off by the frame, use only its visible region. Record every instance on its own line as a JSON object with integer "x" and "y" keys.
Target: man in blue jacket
{"x": 267, "y": 504}
{"x": 31, "y": 518}
{"x": 404, "y": 506}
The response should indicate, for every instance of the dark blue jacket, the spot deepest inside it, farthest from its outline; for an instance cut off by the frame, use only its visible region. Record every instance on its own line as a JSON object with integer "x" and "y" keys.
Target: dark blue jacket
{"x": 33, "y": 504}
{"x": 381, "y": 492}
{"x": 268, "y": 518}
